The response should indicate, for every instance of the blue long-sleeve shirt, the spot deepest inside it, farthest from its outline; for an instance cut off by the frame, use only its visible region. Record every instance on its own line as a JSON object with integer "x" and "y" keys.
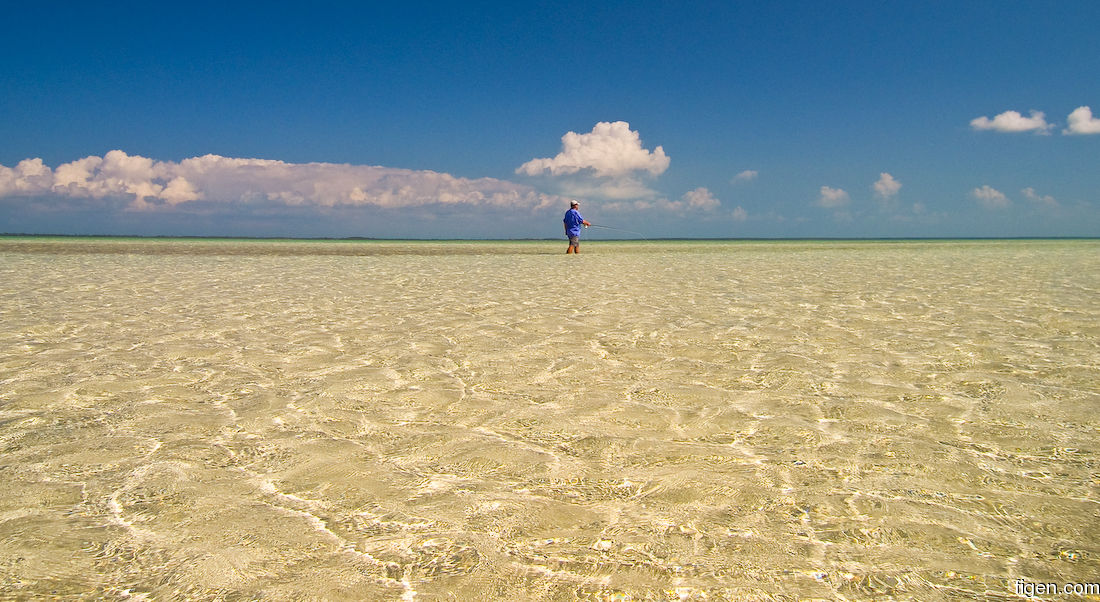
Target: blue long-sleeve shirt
{"x": 573, "y": 222}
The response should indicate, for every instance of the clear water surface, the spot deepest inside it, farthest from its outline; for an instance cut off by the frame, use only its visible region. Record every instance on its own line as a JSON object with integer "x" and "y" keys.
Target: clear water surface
{"x": 219, "y": 419}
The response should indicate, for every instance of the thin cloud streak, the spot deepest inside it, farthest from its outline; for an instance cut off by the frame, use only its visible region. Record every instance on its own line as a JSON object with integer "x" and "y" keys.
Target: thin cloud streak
{"x": 746, "y": 176}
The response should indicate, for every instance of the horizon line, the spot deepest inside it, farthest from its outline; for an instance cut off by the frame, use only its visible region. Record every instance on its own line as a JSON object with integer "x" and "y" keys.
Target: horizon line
{"x": 533, "y": 239}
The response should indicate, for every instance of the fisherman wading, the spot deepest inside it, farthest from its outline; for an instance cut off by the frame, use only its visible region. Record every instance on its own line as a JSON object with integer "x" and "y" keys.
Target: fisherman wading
{"x": 573, "y": 222}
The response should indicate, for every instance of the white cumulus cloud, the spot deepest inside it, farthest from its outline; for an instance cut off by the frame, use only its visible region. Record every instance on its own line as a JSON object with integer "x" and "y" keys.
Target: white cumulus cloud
{"x": 609, "y": 162}
{"x": 610, "y": 149}
{"x": 746, "y": 176}
{"x": 1042, "y": 199}
{"x": 700, "y": 198}
{"x": 990, "y": 197}
{"x": 886, "y": 186}
{"x": 1013, "y": 121}
{"x": 27, "y": 177}
{"x": 145, "y": 184}
{"x": 1081, "y": 121}
{"x": 831, "y": 198}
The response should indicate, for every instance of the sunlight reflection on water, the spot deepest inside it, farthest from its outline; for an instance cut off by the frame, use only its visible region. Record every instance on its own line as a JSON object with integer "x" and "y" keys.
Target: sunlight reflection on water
{"x": 729, "y": 420}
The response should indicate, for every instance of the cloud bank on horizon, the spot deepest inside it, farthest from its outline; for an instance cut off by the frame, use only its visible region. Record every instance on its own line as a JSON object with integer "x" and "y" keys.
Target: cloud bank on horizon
{"x": 144, "y": 184}
{"x": 606, "y": 163}
{"x": 610, "y": 164}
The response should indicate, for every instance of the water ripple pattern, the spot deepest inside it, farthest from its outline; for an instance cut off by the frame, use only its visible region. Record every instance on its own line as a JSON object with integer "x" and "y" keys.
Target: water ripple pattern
{"x": 203, "y": 419}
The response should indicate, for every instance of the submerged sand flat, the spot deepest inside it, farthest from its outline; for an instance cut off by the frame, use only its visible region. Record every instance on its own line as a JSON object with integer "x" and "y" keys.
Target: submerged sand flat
{"x": 196, "y": 419}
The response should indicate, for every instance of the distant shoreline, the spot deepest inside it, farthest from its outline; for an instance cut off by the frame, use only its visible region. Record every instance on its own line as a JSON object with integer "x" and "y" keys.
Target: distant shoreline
{"x": 14, "y": 235}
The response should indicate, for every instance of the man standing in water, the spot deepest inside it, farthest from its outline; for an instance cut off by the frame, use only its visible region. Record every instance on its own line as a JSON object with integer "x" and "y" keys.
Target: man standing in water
{"x": 573, "y": 222}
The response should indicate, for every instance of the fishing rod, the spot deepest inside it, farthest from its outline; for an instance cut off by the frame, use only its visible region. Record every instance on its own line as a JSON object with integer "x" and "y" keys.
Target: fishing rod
{"x": 619, "y": 229}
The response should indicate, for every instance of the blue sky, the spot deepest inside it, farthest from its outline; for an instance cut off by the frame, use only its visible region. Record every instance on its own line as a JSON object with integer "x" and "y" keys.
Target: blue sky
{"x": 481, "y": 120}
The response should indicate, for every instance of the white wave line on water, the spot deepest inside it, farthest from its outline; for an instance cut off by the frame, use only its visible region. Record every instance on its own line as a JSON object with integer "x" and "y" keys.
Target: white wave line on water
{"x": 491, "y": 434}
{"x": 115, "y": 508}
{"x": 563, "y": 575}
{"x": 319, "y": 525}
{"x": 115, "y": 517}
{"x": 604, "y": 581}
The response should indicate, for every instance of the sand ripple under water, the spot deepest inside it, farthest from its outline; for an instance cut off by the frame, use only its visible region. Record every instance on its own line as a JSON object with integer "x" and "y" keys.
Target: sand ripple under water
{"x": 658, "y": 420}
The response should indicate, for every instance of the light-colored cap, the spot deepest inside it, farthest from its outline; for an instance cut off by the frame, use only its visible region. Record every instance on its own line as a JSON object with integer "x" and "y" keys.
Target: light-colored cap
{"x": 573, "y": 203}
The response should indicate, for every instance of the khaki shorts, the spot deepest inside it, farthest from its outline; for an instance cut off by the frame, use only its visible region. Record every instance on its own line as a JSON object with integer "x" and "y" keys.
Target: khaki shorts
{"x": 574, "y": 241}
